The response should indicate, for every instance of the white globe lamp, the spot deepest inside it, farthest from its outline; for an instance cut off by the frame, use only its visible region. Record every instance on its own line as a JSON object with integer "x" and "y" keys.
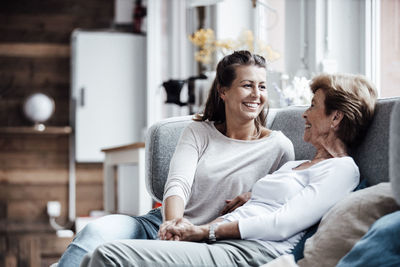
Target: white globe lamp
{"x": 38, "y": 108}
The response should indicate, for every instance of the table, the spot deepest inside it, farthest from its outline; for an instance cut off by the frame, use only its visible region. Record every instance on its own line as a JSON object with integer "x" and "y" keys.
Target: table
{"x": 128, "y": 154}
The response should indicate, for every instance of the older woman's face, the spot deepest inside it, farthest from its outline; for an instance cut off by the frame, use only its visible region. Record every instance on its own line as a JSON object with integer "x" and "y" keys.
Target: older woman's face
{"x": 317, "y": 123}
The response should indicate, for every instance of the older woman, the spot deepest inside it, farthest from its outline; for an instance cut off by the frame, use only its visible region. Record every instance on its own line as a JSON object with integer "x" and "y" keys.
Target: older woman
{"x": 282, "y": 205}
{"x": 227, "y": 149}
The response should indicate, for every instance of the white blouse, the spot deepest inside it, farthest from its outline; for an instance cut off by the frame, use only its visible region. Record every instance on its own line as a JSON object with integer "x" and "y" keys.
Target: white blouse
{"x": 287, "y": 202}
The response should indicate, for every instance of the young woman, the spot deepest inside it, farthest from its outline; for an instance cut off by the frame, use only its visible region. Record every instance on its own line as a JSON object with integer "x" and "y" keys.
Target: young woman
{"x": 217, "y": 160}
{"x": 282, "y": 204}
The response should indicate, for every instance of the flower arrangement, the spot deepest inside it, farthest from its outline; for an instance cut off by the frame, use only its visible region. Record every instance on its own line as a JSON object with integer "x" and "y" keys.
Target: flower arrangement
{"x": 297, "y": 93}
{"x": 208, "y": 46}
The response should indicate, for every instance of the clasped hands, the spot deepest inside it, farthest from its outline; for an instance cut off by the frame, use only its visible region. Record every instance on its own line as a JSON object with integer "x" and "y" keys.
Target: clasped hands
{"x": 181, "y": 229}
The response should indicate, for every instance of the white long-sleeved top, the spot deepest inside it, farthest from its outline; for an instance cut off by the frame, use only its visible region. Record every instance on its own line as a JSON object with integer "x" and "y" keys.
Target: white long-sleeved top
{"x": 287, "y": 202}
{"x": 207, "y": 168}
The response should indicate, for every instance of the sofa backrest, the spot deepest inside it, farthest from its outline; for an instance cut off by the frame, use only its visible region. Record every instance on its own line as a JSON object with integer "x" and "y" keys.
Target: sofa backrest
{"x": 371, "y": 156}
{"x": 394, "y": 152}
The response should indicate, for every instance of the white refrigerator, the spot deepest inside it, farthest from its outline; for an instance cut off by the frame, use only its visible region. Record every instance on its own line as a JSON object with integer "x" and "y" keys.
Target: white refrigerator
{"x": 108, "y": 91}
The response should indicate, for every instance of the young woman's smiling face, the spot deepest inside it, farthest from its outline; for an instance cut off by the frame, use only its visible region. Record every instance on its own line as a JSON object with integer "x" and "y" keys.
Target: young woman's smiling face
{"x": 247, "y": 95}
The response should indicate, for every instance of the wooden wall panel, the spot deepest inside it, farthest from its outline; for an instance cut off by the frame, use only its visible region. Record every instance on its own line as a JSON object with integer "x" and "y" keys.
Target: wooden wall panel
{"x": 19, "y": 143}
{"x": 35, "y": 57}
{"x": 28, "y": 211}
{"x": 31, "y": 196}
{"x": 33, "y": 192}
{"x": 36, "y": 50}
{"x": 49, "y": 246}
{"x": 33, "y": 250}
{"x": 84, "y": 176}
{"x": 55, "y": 66}
{"x": 51, "y": 21}
{"x": 37, "y": 176}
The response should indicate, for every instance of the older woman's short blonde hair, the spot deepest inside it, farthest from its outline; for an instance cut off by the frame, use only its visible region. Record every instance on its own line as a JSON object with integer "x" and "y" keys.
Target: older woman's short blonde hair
{"x": 354, "y": 96}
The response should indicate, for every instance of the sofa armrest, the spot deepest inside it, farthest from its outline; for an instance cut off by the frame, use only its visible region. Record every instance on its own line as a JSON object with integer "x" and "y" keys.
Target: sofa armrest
{"x": 161, "y": 140}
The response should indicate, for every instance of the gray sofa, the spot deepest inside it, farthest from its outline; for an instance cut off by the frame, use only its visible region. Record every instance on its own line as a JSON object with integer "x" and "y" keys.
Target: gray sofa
{"x": 371, "y": 155}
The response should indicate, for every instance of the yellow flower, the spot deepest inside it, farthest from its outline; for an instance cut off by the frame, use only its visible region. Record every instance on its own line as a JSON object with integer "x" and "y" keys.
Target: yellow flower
{"x": 245, "y": 41}
{"x": 226, "y": 44}
{"x": 208, "y": 45}
{"x": 202, "y": 37}
{"x": 267, "y": 52}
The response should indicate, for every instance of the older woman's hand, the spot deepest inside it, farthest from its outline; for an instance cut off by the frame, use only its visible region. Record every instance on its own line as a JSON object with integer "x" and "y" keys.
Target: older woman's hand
{"x": 235, "y": 203}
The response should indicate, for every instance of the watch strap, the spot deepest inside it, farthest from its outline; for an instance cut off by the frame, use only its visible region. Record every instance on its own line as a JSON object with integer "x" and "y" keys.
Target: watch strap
{"x": 211, "y": 233}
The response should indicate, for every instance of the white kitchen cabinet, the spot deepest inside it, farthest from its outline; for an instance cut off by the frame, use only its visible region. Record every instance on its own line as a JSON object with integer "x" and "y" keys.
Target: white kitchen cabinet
{"x": 108, "y": 91}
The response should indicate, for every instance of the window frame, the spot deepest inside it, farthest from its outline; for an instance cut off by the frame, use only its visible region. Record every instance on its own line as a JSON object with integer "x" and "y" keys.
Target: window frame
{"x": 372, "y": 42}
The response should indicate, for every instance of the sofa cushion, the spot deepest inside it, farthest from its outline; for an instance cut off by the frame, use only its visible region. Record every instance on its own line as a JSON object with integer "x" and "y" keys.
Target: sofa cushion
{"x": 346, "y": 223}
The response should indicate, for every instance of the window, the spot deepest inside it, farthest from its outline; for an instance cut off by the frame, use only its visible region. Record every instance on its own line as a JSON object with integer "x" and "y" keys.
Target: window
{"x": 389, "y": 48}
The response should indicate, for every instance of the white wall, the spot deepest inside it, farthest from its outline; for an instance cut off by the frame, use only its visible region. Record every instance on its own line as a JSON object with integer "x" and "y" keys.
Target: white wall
{"x": 334, "y": 35}
{"x": 293, "y": 44}
{"x": 345, "y": 34}
{"x": 233, "y": 17}
{"x": 154, "y": 96}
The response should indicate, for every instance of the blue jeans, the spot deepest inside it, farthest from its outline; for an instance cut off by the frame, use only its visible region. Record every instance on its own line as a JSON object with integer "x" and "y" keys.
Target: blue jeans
{"x": 110, "y": 228}
{"x": 380, "y": 246}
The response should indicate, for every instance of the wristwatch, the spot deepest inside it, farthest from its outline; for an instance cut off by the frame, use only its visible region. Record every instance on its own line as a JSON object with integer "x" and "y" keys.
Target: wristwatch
{"x": 211, "y": 233}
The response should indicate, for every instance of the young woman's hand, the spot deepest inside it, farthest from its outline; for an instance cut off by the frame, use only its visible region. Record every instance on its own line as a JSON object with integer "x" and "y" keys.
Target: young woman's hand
{"x": 165, "y": 234}
{"x": 162, "y": 231}
{"x": 184, "y": 230}
{"x": 173, "y": 211}
{"x": 232, "y": 204}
